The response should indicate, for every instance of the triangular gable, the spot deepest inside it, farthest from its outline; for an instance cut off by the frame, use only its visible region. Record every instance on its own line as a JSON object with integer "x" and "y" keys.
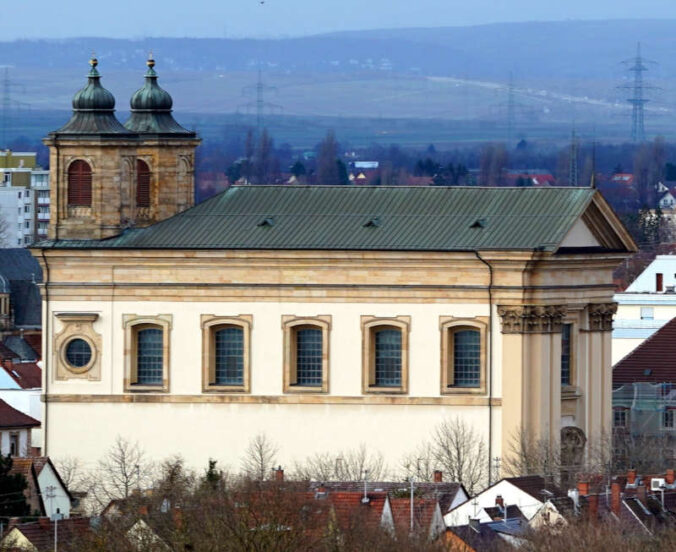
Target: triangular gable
{"x": 599, "y": 226}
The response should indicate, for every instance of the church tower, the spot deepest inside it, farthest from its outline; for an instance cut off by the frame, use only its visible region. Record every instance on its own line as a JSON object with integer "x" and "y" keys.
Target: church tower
{"x": 106, "y": 177}
{"x": 162, "y": 173}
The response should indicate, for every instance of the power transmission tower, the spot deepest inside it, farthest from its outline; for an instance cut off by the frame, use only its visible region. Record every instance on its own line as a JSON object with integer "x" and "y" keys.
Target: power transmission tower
{"x": 258, "y": 104}
{"x": 574, "y": 150}
{"x": 7, "y": 102}
{"x": 511, "y": 108}
{"x": 638, "y": 65}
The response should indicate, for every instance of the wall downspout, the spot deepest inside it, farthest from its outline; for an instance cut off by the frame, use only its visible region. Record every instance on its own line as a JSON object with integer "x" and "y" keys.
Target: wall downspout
{"x": 45, "y": 356}
{"x": 490, "y": 366}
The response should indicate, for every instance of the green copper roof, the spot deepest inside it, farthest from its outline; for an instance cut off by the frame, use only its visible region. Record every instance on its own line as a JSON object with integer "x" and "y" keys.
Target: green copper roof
{"x": 151, "y": 109}
{"x": 364, "y": 218}
{"x": 93, "y": 109}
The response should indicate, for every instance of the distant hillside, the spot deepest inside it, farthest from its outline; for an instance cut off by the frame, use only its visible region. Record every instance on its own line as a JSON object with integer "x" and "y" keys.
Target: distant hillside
{"x": 571, "y": 49}
{"x": 563, "y": 72}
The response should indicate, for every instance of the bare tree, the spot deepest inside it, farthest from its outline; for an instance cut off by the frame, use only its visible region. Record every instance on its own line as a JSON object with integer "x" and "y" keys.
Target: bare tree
{"x": 72, "y": 473}
{"x": 350, "y": 465}
{"x": 327, "y": 167}
{"x": 123, "y": 470}
{"x": 419, "y": 464}
{"x": 461, "y": 453}
{"x": 259, "y": 457}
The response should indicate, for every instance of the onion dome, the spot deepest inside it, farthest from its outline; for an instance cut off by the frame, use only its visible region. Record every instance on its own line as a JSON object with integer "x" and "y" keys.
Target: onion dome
{"x": 93, "y": 109}
{"x": 151, "y": 108}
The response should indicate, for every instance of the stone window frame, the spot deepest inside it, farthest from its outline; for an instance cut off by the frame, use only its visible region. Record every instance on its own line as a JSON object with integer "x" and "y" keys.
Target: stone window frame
{"x": 77, "y": 325}
{"x": 290, "y": 325}
{"x": 210, "y": 323}
{"x": 369, "y": 326}
{"x": 132, "y": 324}
{"x": 448, "y": 325}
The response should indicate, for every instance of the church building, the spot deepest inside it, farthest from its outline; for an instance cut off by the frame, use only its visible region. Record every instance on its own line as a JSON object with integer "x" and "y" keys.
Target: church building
{"x": 325, "y": 317}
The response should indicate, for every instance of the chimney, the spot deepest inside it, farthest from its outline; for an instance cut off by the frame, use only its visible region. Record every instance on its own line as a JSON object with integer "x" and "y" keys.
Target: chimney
{"x": 475, "y": 524}
{"x": 438, "y": 476}
{"x": 615, "y": 498}
{"x": 12, "y": 522}
{"x": 279, "y": 474}
{"x": 641, "y": 493}
{"x": 631, "y": 477}
{"x": 499, "y": 501}
{"x": 177, "y": 516}
{"x": 583, "y": 488}
{"x": 593, "y": 501}
{"x": 44, "y": 522}
{"x": 670, "y": 477}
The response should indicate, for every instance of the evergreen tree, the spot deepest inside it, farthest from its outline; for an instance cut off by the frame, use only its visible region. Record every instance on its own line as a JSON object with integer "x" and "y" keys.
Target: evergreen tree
{"x": 327, "y": 168}
{"x": 12, "y": 486}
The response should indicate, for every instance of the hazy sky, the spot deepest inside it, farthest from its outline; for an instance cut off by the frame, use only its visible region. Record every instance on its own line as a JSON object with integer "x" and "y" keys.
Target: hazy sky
{"x": 245, "y": 18}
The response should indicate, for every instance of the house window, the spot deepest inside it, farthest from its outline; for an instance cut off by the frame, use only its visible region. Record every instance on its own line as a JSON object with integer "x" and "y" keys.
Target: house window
{"x": 142, "y": 184}
{"x": 79, "y": 184}
{"x": 566, "y": 348}
{"x": 306, "y": 353}
{"x": 385, "y": 354}
{"x": 226, "y": 353}
{"x": 647, "y": 313}
{"x": 620, "y": 418}
{"x": 668, "y": 419}
{"x": 463, "y": 354}
{"x": 147, "y": 352}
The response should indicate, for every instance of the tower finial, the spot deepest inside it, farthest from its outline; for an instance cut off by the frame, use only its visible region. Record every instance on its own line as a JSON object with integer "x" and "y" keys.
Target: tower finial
{"x": 151, "y": 61}
{"x": 93, "y": 61}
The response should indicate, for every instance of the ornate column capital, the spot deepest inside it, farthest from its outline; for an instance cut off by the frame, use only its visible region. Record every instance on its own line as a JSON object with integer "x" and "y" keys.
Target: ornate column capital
{"x": 601, "y": 316}
{"x": 529, "y": 319}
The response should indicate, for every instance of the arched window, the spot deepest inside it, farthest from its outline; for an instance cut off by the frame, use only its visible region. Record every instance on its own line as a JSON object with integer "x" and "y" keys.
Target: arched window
{"x": 463, "y": 354}
{"x": 467, "y": 358}
{"x": 142, "y": 184}
{"x": 309, "y": 353}
{"x": 79, "y": 184}
{"x": 149, "y": 356}
{"x": 229, "y": 355}
{"x": 306, "y": 353}
{"x": 387, "y": 354}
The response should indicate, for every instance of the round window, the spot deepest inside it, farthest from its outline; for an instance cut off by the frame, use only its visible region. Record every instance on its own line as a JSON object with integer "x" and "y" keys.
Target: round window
{"x": 78, "y": 353}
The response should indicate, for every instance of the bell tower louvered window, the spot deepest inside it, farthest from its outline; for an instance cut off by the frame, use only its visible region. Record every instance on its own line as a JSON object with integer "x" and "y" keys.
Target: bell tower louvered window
{"x": 142, "y": 184}
{"x": 79, "y": 184}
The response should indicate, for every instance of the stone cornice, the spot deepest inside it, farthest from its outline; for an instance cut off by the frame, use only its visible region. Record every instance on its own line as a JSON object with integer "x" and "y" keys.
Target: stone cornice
{"x": 529, "y": 319}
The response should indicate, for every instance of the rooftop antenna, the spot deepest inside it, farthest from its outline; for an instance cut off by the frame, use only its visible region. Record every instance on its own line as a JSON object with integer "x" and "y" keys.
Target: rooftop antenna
{"x": 638, "y": 65}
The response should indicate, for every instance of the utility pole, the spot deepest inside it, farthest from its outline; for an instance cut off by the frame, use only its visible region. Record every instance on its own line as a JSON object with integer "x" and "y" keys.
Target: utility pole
{"x": 411, "y": 481}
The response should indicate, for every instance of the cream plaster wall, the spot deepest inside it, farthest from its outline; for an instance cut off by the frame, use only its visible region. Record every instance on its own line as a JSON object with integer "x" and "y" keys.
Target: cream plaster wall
{"x": 267, "y": 341}
{"x": 222, "y": 431}
{"x": 200, "y": 431}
